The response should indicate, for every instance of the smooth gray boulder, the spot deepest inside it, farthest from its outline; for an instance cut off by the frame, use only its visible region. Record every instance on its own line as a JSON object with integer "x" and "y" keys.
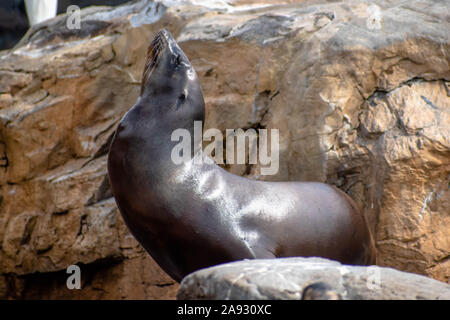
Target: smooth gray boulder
{"x": 286, "y": 279}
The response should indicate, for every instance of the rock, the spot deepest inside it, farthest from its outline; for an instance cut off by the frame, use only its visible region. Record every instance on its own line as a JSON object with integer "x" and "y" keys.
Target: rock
{"x": 320, "y": 291}
{"x": 359, "y": 93}
{"x": 289, "y": 278}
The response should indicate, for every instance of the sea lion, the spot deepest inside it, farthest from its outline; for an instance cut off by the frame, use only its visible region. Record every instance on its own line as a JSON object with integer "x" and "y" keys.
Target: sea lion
{"x": 190, "y": 216}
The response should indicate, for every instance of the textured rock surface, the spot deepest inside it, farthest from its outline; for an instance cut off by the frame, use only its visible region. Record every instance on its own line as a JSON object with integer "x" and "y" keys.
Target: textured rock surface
{"x": 287, "y": 278}
{"x": 359, "y": 92}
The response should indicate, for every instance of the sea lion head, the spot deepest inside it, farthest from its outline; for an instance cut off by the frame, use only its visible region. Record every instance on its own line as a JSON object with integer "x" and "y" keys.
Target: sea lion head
{"x": 169, "y": 80}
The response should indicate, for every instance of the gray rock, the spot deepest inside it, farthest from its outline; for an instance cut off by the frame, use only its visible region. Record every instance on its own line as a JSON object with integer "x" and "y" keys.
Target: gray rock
{"x": 287, "y": 278}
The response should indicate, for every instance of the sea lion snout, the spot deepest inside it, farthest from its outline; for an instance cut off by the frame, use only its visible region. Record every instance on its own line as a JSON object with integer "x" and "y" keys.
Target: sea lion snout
{"x": 165, "y": 41}
{"x": 167, "y": 68}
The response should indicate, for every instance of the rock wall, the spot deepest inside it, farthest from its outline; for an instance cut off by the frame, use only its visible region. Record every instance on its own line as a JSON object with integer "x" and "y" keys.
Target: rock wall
{"x": 14, "y": 20}
{"x": 360, "y": 94}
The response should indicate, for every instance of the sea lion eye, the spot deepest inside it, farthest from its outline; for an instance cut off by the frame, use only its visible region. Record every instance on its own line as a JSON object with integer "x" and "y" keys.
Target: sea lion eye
{"x": 181, "y": 99}
{"x": 178, "y": 60}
